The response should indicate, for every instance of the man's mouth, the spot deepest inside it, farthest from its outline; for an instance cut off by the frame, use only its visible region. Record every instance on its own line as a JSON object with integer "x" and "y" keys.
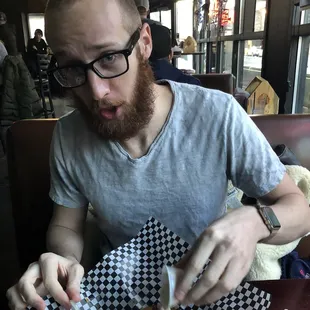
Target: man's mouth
{"x": 109, "y": 112}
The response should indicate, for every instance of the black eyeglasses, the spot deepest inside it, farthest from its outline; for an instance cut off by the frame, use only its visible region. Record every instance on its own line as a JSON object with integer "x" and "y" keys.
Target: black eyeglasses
{"x": 107, "y": 66}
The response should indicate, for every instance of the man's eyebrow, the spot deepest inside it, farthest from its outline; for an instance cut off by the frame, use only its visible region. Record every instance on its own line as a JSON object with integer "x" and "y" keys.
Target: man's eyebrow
{"x": 97, "y": 47}
{"x": 106, "y": 45}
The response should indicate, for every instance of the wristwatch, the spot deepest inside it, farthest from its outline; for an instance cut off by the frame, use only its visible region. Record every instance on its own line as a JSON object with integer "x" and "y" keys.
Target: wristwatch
{"x": 269, "y": 218}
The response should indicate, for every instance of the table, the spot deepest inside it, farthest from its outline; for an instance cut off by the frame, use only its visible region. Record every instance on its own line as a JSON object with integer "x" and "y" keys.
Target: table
{"x": 287, "y": 294}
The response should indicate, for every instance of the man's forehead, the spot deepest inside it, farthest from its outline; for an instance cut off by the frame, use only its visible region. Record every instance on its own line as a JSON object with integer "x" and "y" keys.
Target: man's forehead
{"x": 90, "y": 35}
{"x": 85, "y": 18}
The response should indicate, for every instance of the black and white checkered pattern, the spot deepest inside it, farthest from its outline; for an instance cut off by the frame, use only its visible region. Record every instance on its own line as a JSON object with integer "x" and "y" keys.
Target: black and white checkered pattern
{"x": 129, "y": 277}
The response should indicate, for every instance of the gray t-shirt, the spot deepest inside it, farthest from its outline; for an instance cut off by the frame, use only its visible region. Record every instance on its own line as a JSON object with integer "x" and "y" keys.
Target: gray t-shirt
{"x": 181, "y": 181}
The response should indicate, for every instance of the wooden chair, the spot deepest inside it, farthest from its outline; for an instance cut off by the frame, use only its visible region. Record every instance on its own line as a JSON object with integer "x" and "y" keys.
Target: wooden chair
{"x": 28, "y": 146}
{"x": 43, "y": 84}
{"x": 223, "y": 82}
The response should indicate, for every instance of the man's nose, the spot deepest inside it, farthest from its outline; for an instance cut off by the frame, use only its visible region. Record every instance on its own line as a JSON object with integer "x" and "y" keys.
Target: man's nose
{"x": 99, "y": 87}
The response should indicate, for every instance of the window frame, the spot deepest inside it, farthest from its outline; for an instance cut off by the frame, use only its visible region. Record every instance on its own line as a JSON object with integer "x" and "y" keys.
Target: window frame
{"x": 244, "y": 23}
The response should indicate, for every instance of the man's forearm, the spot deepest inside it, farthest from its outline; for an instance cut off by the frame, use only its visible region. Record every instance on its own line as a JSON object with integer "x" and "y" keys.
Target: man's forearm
{"x": 65, "y": 242}
{"x": 293, "y": 213}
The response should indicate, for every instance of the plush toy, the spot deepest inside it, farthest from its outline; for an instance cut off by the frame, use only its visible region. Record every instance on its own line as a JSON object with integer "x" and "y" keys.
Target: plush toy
{"x": 190, "y": 45}
{"x": 266, "y": 264}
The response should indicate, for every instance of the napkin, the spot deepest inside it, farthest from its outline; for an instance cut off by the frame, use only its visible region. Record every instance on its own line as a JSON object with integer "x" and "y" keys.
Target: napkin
{"x": 130, "y": 276}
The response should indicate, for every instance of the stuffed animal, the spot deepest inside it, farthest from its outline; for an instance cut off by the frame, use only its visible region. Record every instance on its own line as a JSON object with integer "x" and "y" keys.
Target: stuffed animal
{"x": 266, "y": 264}
{"x": 190, "y": 45}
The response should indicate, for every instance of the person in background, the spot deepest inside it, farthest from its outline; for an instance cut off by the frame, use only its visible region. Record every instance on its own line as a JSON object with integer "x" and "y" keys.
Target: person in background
{"x": 161, "y": 57}
{"x": 7, "y": 36}
{"x": 3, "y": 53}
{"x": 143, "y": 7}
{"x": 35, "y": 46}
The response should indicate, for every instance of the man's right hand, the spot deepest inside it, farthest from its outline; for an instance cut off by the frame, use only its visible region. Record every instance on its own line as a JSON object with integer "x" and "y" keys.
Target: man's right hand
{"x": 47, "y": 276}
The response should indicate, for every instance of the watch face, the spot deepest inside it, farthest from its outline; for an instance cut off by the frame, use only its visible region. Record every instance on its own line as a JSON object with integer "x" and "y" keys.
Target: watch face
{"x": 273, "y": 220}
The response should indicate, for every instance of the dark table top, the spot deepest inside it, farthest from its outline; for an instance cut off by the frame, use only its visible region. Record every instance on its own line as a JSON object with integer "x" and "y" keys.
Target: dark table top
{"x": 287, "y": 294}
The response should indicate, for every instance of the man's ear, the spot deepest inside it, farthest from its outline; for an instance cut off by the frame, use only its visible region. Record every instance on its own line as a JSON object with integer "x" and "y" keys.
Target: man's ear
{"x": 145, "y": 42}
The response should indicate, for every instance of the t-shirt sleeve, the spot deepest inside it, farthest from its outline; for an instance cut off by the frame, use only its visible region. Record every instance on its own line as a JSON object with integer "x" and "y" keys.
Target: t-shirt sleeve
{"x": 63, "y": 190}
{"x": 252, "y": 165}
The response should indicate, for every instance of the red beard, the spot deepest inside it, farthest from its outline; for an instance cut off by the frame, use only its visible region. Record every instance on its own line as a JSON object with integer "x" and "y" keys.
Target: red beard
{"x": 137, "y": 113}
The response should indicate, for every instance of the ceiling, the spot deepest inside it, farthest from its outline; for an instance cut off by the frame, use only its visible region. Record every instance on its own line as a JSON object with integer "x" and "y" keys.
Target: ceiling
{"x": 155, "y": 4}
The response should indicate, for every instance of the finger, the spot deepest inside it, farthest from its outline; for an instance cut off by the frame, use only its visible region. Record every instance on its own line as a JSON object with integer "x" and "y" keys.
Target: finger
{"x": 15, "y": 300}
{"x": 200, "y": 255}
{"x": 184, "y": 260}
{"x": 231, "y": 278}
{"x": 29, "y": 293}
{"x": 76, "y": 273}
{"x": 220, "y": 260}
{"x": 49, "y": 269}
{"x": 27, "y": 289}
{"x": 41, "y": 290}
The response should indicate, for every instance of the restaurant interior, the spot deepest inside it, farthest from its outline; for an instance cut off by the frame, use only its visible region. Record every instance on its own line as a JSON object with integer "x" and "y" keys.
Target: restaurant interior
{"x": 258, "y": 51}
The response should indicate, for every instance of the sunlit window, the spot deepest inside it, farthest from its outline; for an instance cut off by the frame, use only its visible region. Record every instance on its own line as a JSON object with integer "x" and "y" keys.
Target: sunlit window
{"x": 36, "y": 21}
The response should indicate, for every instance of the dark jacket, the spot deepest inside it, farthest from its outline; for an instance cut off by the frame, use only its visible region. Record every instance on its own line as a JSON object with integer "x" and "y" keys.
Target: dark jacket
{"x": 8, "y": 37}
{"x": 19, "y": 99}
{"x": 40, "y": 47}
{"x": 163, "y": 70}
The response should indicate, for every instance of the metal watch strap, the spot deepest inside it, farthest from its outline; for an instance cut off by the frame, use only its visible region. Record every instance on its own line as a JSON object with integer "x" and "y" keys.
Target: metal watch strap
{"x": 262, "y": 212}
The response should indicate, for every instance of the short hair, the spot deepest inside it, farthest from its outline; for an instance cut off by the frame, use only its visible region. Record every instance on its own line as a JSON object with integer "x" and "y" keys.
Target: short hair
{"x": 39, "y": 31}
{"x": 161, "y": 37}
{"x": 131, "y": 18}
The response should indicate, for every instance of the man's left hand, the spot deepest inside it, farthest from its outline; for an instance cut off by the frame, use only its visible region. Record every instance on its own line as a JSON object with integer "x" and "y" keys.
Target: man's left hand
{"x": 230, "y": 244}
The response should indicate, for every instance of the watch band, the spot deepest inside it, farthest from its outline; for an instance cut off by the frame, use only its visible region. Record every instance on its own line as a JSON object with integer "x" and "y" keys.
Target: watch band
{"x": 269, "y": 218}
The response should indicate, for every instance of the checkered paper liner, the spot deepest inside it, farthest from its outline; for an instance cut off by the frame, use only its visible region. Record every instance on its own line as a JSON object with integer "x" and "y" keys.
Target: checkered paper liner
{"x": 130, "y": 276}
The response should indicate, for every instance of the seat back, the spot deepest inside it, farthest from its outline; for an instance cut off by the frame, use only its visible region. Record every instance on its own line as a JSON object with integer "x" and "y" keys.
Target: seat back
{"x": 294, "y": 132}
{"x": 28, "y": 146}
{"x": 28, "y": 163}
{"x": 291, "y": 130}
{"x": 223, "y": 82}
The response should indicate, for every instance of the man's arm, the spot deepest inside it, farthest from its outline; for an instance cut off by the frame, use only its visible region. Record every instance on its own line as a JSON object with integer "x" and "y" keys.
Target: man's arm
{"x": 292, "y": 210}
{"x": 65, "y": 233}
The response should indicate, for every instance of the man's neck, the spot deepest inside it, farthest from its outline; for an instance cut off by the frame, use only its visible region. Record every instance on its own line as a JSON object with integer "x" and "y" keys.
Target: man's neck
{"x": 139, "y": 145}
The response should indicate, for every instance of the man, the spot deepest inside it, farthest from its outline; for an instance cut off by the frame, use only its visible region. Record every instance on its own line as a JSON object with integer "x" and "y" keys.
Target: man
{"x": 161, "y": 56}
{"x": 135, "y": 148}
{"x": 35, "y": 46}
{"x": 3, "y": 53}
{"x": 7, "y": 36}
{"x": 143, "y": 7}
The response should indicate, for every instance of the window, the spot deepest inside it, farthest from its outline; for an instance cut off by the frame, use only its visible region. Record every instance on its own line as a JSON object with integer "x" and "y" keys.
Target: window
{"x": 166, "y": 18}
{"x": 227, "y": 55}
{"x": 252, "y": 61}
{"x": 155, "y": 16}
{"x": 228, "y": 17}
{"x": 222, "y": 15}
{"x": 185, "y": 19}
{"x": 302, "y": 80}
{"x": 231, "y": 45}
{"x": 260, "y": 15}
{"x": 35, "y": 21}
{"x": 305, "y": 17}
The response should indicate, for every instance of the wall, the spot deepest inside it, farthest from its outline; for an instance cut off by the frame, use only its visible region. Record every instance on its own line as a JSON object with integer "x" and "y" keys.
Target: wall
{"x": 13, "y": 9}
{"x": 36, "y": 6}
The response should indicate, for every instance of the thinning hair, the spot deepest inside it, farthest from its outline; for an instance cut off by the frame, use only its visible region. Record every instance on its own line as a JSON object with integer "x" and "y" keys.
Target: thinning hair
{"x": 131, "y": 19}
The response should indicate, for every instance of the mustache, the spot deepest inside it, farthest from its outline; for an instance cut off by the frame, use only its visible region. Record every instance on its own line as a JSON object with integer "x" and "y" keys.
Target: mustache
{"x": 105, "y": 103}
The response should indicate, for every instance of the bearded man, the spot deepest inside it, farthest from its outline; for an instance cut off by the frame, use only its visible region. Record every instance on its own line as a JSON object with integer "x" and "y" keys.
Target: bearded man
{"x": 134, "y": 148}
